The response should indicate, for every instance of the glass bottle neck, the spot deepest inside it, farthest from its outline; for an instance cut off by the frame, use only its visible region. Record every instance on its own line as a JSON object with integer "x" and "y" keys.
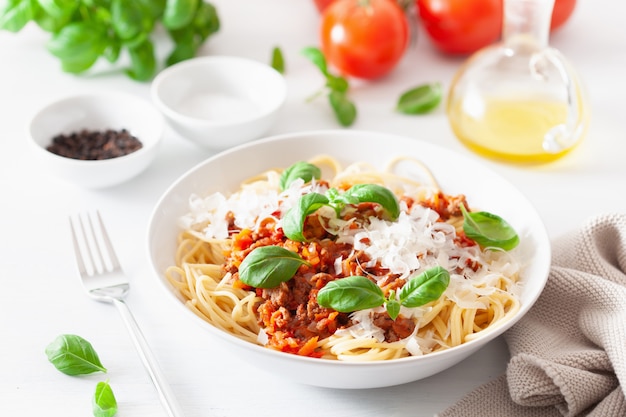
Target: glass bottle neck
{"x": 527, "y": 23}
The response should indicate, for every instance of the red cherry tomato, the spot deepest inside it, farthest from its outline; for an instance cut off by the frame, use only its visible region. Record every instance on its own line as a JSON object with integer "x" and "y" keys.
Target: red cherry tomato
{"x": 561, "y": 13}
{"x": 461, "y": 26}
{"x": 322, "y": 4}
{"x": 364, "y": 39}
{"x": 465, "y": 26}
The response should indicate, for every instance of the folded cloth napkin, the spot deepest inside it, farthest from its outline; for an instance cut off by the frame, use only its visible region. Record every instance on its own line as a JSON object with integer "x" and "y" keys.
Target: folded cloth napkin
{"x": 568, "y": 354}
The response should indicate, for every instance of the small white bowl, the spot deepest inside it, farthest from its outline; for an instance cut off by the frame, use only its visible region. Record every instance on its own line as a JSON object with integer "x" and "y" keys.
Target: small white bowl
{"x": 219, "y": 101}
{"x": 97, "y": 112}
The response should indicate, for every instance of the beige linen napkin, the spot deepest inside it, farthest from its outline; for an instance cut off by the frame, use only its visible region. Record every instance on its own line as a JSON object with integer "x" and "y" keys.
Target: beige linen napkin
{"x": 568, "y": 354}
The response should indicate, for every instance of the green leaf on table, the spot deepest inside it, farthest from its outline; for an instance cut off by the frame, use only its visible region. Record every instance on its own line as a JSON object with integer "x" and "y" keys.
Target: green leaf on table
{"x": 344, "y": 109}
{"x": 316, "y": 56}
{"x": 73, "y": 355}
{"x": 278, "y": 60}
{"x": 337, "y": 86}
{"x": 421, "y": 99}
{"x": 103, "y": 402}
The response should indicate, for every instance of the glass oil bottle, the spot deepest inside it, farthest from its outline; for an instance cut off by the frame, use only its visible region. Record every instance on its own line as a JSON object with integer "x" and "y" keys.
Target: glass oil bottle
{"x": 519, "y": 100}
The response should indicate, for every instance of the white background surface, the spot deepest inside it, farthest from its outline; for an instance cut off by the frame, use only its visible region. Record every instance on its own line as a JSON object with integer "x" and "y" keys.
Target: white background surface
{"x": 42, "y": 296}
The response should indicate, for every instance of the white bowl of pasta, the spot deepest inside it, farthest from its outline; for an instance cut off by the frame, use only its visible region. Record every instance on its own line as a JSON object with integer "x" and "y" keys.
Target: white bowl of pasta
{"x": 337, "y": 262}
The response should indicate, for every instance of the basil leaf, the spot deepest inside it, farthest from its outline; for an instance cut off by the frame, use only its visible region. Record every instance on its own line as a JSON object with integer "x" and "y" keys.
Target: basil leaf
{"x": 143, "y": 61}
{"x": 350, "y": 294}
{"x": 73, "y": 355}
{"x": 59, "y": 9}
{"x": 338, "y": 84}
{"x": 344, "y": 109}
{"x": 278, "y": 61}
{"x": 103, "y": 402}
{"x": 425, "y": 287}
{"x": 185, "y": 48}
{"x": 129, "y": 19}
{"x": 47, "y": 22}
{"x": 293, "y": 220}
{"x": 179, "y": 13}
{"x": 189, "y": 38}
{"x": 112, "y": 52}
{"x": 155, "y": 7}
{"x": 374, "y": 193}
{"x": 268, "y": 266}
{"x": 78, "y": 45}
{"x": 206, "y": 21}
{"x": 181, "y": 52}
{"x": 489, "y": 230}
{"x": 316, "y": 56}
{"x": 392, "y": 306}
{"x": 300, "y": 170}
{"x": 15, "y": 14}
{"x": 420, "y": 100}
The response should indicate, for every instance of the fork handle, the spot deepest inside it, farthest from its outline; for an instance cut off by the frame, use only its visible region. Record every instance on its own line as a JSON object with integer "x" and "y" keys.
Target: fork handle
{"x": 166, "y": 395}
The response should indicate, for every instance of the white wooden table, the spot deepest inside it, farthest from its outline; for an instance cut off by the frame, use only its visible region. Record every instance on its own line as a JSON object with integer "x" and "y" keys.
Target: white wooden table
{"x": 41, "y": 295}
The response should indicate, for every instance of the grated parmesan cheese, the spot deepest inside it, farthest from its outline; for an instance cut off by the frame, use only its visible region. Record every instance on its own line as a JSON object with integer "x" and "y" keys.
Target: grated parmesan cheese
{"x": 416, "y": 241}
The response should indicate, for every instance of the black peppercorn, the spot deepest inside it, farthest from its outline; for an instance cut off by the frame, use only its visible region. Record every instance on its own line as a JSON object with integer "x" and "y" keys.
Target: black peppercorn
{"x": 94, "y": 144}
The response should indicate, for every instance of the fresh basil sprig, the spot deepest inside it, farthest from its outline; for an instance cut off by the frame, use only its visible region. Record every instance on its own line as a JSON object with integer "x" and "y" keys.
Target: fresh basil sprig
{"x": 73, "y": 355}
{"x": 300, "y": 170}
{"x": 350, "y": 294}
{"x": 82, "y": 31}
{"x": 425, "y": 287}
{"x": 373, "y": 193}
{"x": 293, "y": 220}
{"x": 268, "y": 266}
{"x": 337, "y": 88}
{"x": 103, "y": 402}
{"x": 359, "y": 293}
{"x": 489, "y": 230}
{"x": 421, "y": 99}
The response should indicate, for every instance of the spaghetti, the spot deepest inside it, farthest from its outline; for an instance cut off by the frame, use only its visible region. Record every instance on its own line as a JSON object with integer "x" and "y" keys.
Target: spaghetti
{"x": 220, "y": 231}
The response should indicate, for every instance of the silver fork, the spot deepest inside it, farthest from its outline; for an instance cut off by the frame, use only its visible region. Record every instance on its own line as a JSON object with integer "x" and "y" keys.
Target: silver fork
{"x": 104, "y": 280}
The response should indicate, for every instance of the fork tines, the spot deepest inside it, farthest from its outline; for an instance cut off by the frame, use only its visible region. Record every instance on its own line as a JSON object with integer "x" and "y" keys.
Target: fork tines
{"x": 93, "y": 247}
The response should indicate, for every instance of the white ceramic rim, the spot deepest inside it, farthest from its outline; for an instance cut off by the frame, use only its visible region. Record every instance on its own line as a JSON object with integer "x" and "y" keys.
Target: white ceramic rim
{"x": 271, "y": 74}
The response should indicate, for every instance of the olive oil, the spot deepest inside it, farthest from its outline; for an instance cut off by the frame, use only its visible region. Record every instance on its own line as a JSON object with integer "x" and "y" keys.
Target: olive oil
{"x": 509, "y": 129}
{"x": 519, "y": 100}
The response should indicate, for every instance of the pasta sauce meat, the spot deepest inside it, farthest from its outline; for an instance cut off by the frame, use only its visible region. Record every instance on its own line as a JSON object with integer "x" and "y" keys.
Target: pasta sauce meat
{"x": 346, "y": 232}
{"x": 289, "y": 313}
